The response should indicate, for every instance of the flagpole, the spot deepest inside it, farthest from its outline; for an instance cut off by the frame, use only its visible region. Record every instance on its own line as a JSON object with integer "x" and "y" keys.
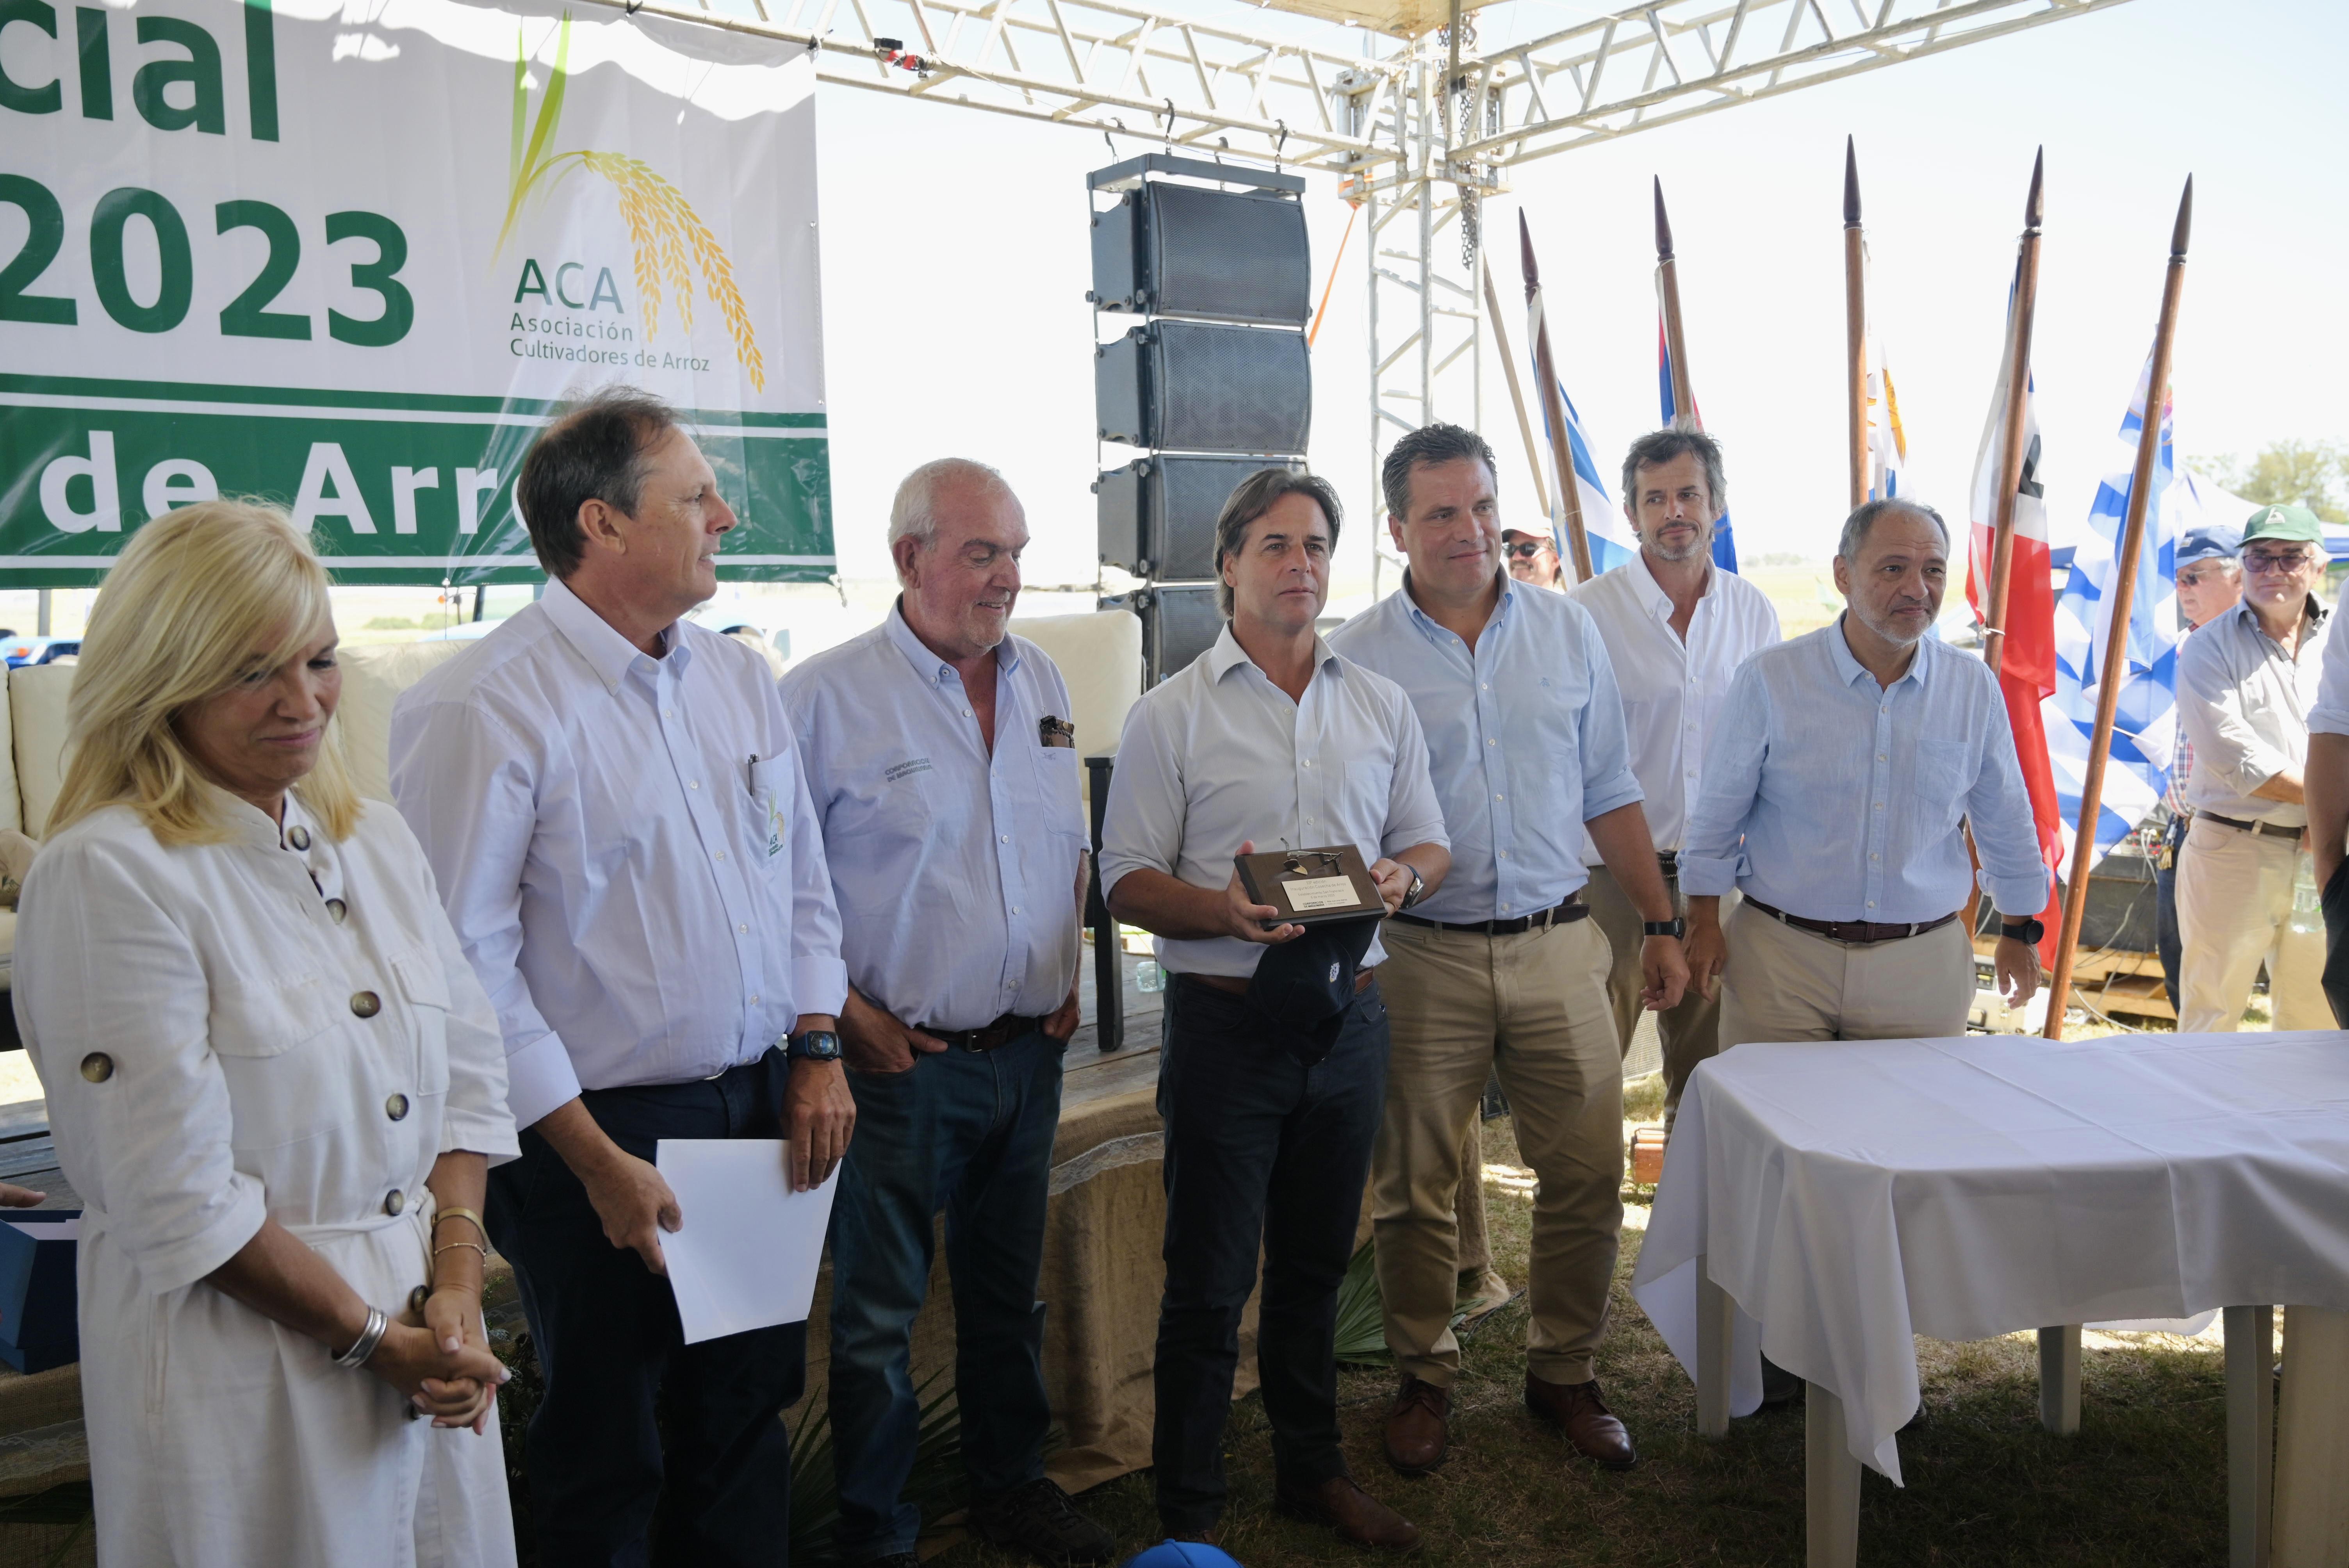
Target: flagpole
{"x": 1675, "y": 346}
{"x": 2018, "y": 392}
{"x": 1561, "y": 441}
{"x": 2108, "y": 685}
{"x": 1517, "y": 393}
{"x": 1855, "y": 323}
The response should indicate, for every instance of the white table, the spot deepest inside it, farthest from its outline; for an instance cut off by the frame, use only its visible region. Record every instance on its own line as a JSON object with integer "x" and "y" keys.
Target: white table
{"x": 1828, "y": 1201}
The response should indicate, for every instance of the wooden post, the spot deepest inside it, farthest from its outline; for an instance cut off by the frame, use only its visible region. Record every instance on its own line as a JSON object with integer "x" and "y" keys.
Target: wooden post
{"x": 2018, "y": 392}
{"x": 1517, "y": 393}
{"x": 1855, "y": 323}
{"x": 2132, "y": 545}
{"x": 1667, "y": 285}
{"x": 1561, "y": 444}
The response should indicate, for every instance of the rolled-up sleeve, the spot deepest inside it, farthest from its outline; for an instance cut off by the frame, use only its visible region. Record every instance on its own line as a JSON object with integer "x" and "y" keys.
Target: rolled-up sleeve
{"x": 102, "y": 970}
{"x": 1712, "y": 850}
{"x": 1414, "y": 816}
{"x": 464, "y": 785}
{"x": 1604, "y": 740}
{"x": 1998, "y": 810}
{"x": 2331, "y": 714}
{"x": 1143, "y": 827}
{"x": 2210, "y": 706}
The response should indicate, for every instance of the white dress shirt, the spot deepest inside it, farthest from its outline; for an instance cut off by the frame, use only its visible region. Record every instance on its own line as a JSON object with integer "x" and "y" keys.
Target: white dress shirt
{"x": 955, "y": 867}
{"x": 1672, "y": 690}
{"x": 625, "y": 846}
{"x": 2247, "y": 705}
{"x": 273, "y": 1026}
{"x": 1831, "y": 797}
{"x": 2331, "y": 714}
{"x": 1525, "y": 741}
{"x": 1218, "y": 754}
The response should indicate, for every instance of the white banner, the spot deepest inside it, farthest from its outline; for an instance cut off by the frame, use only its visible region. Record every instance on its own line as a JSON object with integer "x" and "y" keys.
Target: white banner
{"x": 346, "y": 256}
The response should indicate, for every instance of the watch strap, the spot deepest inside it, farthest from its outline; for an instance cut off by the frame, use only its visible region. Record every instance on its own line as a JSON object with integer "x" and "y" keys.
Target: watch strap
{"x": 1673, "y": 928}
{"x": 813, "y": 1046}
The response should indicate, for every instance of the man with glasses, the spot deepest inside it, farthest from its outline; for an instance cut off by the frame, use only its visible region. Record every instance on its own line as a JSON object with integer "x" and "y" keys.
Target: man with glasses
{"x": 1532, "y": 558}
{"x": 2246, "y": 683}
{"x": 2209, "y": 583}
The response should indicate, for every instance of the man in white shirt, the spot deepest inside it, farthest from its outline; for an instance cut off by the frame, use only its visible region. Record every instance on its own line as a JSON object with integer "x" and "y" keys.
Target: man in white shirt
{"x": 1676, "y": 628}
{"x": 1271, "y": 1105}
{"x": 612, "y": 803}
{"x": 2246, "y": 683}
{"x": 2327, "y": 788}
{"x": 942, "y": 762}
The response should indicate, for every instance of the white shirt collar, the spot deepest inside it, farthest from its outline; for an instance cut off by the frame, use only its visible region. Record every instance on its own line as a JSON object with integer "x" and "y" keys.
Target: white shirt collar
{"x": 608, "y": 653}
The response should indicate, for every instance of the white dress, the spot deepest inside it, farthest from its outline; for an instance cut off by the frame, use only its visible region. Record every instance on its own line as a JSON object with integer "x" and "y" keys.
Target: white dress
{"x": 277, "y": 1024}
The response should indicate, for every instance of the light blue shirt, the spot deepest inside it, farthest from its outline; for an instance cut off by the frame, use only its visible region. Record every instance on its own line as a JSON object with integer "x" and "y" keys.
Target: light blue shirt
{"x": 625, "y": 846}
{"x": 1526, "y": 741}
{"x": 1833, "y": 799}
{"x": 1218, "y": 754}
{"x": 954, "y": 868}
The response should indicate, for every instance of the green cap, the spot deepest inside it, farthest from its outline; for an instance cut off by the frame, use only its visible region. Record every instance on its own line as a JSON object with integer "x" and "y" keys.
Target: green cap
{"x": 2294, "y": 524}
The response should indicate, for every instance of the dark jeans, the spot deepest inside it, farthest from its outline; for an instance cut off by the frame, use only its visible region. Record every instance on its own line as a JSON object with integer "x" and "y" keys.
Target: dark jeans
{"x": 617, "y": 1372}
{"x": 2336, "y": 943}
{"x": 970, "y": 1133}
{"x": 2167, "y": 940}
{"x": 1260, "y": 1147}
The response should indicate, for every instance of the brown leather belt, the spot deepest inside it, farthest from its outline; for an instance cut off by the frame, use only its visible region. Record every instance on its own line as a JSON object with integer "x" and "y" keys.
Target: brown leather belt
{"x": 1572, "y": 909}
{"x": 1238, "y": 988}
{"x": 1857, "y": 932}
{"x": 2265, "y": 830}
{"x": 993, "y": 1037}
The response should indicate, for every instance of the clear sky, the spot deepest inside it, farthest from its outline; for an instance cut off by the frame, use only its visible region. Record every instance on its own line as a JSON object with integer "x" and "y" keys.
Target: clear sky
{"x": 956, "y": 265}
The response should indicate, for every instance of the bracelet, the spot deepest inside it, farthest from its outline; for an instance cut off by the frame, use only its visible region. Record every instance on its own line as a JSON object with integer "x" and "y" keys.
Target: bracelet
{"x": 369, "y": 1337}
{"x": 452, "y": 1246}
{"x": 468, "y": 1215}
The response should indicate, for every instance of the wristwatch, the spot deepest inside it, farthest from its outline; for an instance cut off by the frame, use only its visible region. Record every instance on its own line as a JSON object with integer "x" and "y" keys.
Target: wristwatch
{"x": 1673, "y": 928}
{"x": 814, "y": 1045}
{"x": 1411, "y": 895}
{"x": 2029, "y": 931}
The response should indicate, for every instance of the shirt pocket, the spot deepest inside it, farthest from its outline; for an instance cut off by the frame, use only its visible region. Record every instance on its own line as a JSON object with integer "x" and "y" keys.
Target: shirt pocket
{"x": 768, "y": 815}
{"x": 274, "y": 1044}
{"x": 426, "y": 991}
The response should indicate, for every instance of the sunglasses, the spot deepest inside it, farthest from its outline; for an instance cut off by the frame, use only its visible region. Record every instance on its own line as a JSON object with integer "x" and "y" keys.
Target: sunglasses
{"x": 2260, "y": 561}
{"x": 1525, "y": 548}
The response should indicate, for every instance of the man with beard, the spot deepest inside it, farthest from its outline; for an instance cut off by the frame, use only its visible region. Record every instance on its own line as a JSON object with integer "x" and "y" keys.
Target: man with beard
{"x": 1676, "y": 630}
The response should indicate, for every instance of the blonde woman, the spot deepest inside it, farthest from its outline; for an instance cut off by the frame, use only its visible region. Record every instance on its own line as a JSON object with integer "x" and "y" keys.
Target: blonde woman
{"x": 273, "y": 1081}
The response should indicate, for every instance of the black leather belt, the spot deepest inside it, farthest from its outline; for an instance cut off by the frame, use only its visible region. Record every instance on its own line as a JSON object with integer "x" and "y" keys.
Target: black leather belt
{"x": 1566, "y": 913}
{"x": 993, "y": 1037}
{"x": 2265, "y": 830}
{"x": 1858, "y": 932}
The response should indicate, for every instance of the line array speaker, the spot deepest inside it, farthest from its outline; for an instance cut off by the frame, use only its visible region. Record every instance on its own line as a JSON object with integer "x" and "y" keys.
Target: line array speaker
{"x": 1194, "y": 387}
{"x": 1157, "y": 514}
{"x": 1179, "y": 622}
{"x": 1220, "y": 255}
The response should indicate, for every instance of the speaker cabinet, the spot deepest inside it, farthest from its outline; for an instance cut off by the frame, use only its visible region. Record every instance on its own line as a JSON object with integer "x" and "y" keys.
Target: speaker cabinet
{"x": 1179, "y": 623}
{"x": 1157, "y": 515}
{"x": 1187, "y": 252}
{"x": 1192, "y": 386}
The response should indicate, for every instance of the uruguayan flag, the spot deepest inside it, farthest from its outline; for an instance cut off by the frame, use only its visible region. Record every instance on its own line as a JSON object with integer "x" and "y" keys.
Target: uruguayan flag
{"x": 1724, "y": 543}
{"x": 1612, "y": 542}
{"x": 2145, "y": 723}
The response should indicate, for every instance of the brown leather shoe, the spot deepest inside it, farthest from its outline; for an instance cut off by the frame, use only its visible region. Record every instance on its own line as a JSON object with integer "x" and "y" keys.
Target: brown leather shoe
{"x": 1353, "y": 1513}
{"x": 1576, "y": 1409}
{"x": 1418, "y": 1437}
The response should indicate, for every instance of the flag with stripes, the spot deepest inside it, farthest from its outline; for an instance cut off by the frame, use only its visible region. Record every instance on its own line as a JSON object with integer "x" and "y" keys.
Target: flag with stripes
{"x": 1888, "y": 438}
{"x": 1724, "y": 543}
{"x": 2145, "y": 722}
{"x": 1612, "y": 543}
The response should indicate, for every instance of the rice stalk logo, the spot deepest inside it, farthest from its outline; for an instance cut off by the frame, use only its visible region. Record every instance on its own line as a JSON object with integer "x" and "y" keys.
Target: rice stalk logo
{"x": 668, "y": 238}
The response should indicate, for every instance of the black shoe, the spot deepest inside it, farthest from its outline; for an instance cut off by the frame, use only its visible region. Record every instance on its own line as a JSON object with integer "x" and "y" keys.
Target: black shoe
{"x": 1779, "y": 1387}
{"x": 1040, "y": 1519}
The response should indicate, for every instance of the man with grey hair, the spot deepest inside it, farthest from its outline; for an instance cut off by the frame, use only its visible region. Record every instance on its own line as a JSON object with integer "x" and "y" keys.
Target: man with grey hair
{"x": 1843, "y": 764}
{"x": 944, "y": 769}
{"x": 1676, "y": 628}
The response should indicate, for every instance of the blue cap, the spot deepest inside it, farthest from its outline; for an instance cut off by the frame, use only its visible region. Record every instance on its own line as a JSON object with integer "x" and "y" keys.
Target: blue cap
{"x": 1182, "y": 1554}
{"x": 2208, "y": 544}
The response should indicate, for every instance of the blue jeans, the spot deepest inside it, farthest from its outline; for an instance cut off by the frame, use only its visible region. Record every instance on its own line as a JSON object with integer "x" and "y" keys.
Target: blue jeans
{"x": 1260, "y": 1149}
{"x": 970, "y": 1133}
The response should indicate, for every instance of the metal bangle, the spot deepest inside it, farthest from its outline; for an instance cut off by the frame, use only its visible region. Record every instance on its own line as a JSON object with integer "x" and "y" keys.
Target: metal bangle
{"x": 452, "y": 1246}
{"x": 369, "y": 1337}
{"x": 468, "y": 1215}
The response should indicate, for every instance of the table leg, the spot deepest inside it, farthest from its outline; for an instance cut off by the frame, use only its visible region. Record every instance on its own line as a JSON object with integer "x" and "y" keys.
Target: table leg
{"x": 2312, "y": 1467}
{"x": 1714, "y": 1311}
{"x": 2250, "y": 1434}
{"x": 1830, "y": 1484}
{"x": 2059, "y": 1379}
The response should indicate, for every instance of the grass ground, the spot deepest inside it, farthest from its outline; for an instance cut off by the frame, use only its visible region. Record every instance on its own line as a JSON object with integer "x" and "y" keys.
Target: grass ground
{"x": 2143, "y": 1484}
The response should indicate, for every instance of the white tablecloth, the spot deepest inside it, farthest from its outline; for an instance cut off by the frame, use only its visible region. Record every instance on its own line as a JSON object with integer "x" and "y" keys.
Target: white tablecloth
{"x": 1848, "y": 1195}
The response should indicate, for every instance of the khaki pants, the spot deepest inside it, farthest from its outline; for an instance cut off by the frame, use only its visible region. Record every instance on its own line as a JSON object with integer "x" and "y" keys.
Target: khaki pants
{"x": 1532, "y": 1007}
{"x": 1786, "y": 984}
{"x": 1689, "y": 1032}
{"x": 2234, "y": 909}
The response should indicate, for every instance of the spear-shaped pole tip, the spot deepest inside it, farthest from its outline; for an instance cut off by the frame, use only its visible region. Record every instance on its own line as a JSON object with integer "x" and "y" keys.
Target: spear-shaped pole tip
{"x": 1850, "y": 185}
{"x": 2035, "y": 206}
{"x": 1663, "y": 225}
{"x": 2185, "y": 227}
{"x": 1525, "y": 253}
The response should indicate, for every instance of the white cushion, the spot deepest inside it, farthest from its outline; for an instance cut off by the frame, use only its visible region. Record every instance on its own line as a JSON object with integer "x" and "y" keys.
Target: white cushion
{"x": 37, "y": 722}
{"x": 1099, "y": 656}
{"x": 373, "y": 678}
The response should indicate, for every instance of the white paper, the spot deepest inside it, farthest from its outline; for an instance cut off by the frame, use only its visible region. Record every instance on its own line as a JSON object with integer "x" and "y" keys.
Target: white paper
{"x": 748, "y": 1253}
{"x": 1306, "y": 895}
{"x": 56, "y": 1231}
